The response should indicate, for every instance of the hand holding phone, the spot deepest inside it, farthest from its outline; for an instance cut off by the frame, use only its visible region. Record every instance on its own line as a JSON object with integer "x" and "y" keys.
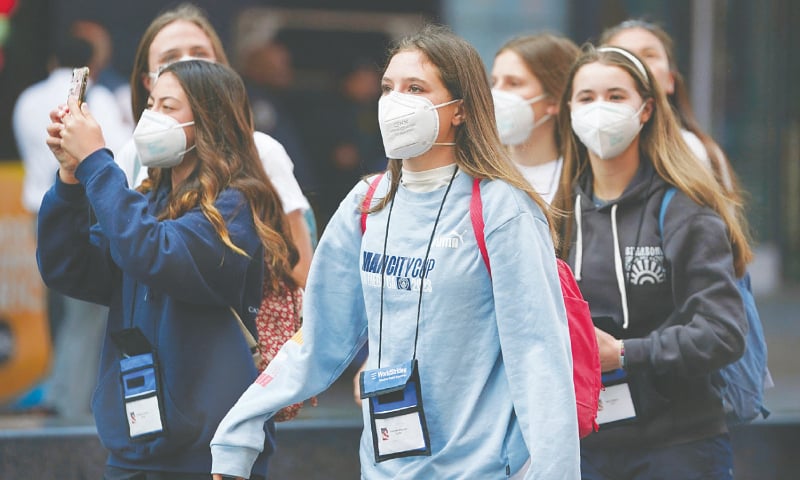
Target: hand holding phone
{"x": 77, "y": 87}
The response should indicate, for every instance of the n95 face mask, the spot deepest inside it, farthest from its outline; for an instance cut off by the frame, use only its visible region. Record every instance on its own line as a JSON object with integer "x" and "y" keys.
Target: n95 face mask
{"x": 409, "y": 124}
{"x": 606, "y": 128}
{"x": 514, "y": 116}
{"x": 160, "y": 140}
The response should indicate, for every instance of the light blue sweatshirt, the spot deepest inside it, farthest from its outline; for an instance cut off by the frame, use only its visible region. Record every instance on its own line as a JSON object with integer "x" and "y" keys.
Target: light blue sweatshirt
{"x": 494, "y": 353}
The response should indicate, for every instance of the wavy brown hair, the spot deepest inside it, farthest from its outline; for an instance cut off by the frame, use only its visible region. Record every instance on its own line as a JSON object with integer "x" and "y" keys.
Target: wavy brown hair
{"x": 226, "y": 158}
{"x": 186, "y": 12}
{"x": 660, "y": 141}
{"x": 479, "y": 152}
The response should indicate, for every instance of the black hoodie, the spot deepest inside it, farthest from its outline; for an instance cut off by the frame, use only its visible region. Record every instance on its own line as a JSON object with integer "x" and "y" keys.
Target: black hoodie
{"x": 672, "y": 297}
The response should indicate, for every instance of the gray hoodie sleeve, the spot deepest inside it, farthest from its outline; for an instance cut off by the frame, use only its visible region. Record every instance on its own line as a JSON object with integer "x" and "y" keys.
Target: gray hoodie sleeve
{"x": 706, "y": 331}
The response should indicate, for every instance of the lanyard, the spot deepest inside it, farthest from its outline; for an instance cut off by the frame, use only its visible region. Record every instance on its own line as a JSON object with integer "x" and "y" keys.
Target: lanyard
{"x": 423, "y": 275}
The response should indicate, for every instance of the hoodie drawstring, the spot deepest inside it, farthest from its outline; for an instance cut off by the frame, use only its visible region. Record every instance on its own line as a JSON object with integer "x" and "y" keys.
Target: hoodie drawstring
{"x": 579, "y": 246}
{"x": 623, "y": 293}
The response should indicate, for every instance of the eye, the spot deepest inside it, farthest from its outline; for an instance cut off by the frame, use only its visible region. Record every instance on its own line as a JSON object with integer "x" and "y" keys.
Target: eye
{"x": 385, "y": 89}
{"x": 167, "y": 59}
{"x": 201, "y": 53}
{"x": 413, "y": 88}
{"x": 616, "y": 97}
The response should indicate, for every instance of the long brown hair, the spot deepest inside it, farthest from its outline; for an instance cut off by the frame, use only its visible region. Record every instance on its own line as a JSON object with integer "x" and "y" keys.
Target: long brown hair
{"x": 548, "y": 57}
{"x": 227, "y": 158}
{"x": 479, "y": 152}
{"x": 186, "y": 12}
{"x": 661, "y": 142}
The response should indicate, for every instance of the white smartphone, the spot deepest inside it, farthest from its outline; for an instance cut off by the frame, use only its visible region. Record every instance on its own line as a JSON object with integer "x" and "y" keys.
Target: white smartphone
{"x": 77, "y": 87}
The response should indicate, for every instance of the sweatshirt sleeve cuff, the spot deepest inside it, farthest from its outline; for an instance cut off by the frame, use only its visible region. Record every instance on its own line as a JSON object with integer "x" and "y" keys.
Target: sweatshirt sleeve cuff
{"x": 635, "y": 354}
{"x": 70, "y": 192}
{"x": 92, "y": 164}
{"x": 233, "y": 461}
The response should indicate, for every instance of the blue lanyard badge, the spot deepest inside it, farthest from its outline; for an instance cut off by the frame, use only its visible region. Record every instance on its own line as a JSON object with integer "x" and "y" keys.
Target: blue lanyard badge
{"x": 385, "y": 380}
{"x": 395, "y": 410}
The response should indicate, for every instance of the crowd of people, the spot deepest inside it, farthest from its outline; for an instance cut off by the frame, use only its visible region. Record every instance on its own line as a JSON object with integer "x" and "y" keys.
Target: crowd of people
{"x": 181, "y": 226}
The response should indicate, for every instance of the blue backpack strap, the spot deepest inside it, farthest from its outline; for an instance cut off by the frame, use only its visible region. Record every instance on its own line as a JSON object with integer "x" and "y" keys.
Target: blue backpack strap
{"x": 663, "y": 212}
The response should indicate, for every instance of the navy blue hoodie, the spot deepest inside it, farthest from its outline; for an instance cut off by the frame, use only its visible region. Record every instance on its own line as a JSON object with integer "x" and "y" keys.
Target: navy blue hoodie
{"x": 176, "y": 281}
{"x": 670, "y": 295}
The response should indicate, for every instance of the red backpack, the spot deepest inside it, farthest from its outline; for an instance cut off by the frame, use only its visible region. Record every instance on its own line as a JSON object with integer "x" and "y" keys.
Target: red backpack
{"x": 585, "y": 353}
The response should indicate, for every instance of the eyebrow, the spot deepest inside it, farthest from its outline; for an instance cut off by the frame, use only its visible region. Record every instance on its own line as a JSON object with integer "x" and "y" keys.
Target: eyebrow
{"x": 609, "y": 90}
{"x": 168, "y": 53}
{"x": 167, "y": 97}
{"x": 407, "y": 80}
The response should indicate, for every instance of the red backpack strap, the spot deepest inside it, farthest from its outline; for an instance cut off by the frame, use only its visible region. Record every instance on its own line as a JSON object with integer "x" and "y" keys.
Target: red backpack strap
{"x": 476, "y": 215}
{"x": 368, "y": 199}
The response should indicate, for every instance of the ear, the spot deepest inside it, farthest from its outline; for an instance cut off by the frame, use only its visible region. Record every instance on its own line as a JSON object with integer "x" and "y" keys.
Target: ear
{"x": 552, "y": 107}
{"x": 458, "y": 116}
{"x": 669, "y": 88}
{"x": 647, "y": 111}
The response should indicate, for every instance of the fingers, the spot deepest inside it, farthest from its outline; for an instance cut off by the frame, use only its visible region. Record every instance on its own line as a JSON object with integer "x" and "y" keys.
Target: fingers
{"x": 54, "y": 130}
{"x": 57, "y": 115}
{"x": 53, "y": 142}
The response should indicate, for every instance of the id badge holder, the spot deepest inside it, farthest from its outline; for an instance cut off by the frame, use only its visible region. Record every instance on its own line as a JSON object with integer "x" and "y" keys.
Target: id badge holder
{"x": 395, "y": 411}
{"x": 140, "y": 390}
{"x": 616, "y": 402}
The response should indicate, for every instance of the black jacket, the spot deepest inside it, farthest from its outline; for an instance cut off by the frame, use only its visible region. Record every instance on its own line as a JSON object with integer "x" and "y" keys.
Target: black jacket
{"x": 682, "y": 318}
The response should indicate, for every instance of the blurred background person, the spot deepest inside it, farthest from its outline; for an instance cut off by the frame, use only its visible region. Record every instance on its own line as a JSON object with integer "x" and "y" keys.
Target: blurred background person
{"x": 102, "y": 68}
{"x": 528, "y": 78}
{"x": 346, "y": 125}
{"x": 76, "y": 326}
{"x": 265, "y": 64}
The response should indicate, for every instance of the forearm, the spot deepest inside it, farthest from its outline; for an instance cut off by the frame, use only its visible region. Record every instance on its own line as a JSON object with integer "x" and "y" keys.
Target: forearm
{"x": 302, "y": 241}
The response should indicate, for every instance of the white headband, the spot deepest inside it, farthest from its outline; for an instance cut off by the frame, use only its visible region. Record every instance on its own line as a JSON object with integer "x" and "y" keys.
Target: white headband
{"x": 635, "y": 61}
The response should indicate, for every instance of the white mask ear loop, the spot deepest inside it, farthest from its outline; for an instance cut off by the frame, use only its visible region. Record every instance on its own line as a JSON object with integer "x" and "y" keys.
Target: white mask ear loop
{"x": 546, "y": 116}
{"x": 445, "y": 144}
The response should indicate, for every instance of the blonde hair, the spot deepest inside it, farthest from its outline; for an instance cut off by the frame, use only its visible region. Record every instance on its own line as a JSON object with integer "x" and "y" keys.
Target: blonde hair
{"x": 661, "y": 142}
{"x": 479, "y": 152}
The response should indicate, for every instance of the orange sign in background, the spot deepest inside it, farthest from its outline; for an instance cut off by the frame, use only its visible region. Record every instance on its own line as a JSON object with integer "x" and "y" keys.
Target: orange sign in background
{"x": 25, "y": 345}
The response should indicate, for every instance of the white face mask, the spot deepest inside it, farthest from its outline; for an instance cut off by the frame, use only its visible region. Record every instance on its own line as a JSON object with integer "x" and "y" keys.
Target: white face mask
{"x": 160, "y": 140}
{"x": 409, "y": 124}
{"x": 606, "y": 128}
{"x": 514, "y": 116}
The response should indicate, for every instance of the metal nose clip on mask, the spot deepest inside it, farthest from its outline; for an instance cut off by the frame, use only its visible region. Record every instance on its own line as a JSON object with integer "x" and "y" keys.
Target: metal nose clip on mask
{"x": 409, "y": 124}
